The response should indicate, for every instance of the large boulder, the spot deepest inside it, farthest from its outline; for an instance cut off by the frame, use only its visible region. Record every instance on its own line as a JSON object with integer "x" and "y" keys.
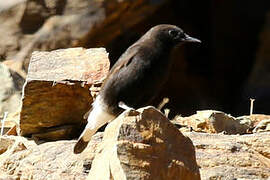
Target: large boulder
{"x": 143, "y": 144}
{"x": 227, "y": 157}
{"x": 56, "y": 92}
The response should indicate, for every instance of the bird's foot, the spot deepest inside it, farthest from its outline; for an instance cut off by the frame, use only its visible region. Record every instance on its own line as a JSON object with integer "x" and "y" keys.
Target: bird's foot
{"x": 122, "y": 105}
{"x": 130, "y": 111}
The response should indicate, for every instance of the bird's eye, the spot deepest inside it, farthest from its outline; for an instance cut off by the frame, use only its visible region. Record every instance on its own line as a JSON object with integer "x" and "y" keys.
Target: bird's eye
{"x": 173, "y": 33}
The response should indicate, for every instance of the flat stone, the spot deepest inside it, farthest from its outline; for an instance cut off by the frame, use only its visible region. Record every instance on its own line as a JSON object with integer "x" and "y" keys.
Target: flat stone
{"x": 56, "y": 92}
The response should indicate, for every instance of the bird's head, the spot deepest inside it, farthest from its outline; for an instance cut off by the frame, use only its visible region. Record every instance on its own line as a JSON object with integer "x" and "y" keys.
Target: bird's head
{"x": 171, "y": 34}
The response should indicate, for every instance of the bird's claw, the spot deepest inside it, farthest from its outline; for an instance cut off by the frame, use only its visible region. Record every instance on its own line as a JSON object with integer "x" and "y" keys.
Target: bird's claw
{"x": 130, "y": 111}
{"x": 122, "y": 105}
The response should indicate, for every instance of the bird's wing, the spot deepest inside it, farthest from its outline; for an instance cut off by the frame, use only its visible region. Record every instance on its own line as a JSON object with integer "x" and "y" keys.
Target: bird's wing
{"x": 98, "y": 116}
{"x": 124, "y": 60}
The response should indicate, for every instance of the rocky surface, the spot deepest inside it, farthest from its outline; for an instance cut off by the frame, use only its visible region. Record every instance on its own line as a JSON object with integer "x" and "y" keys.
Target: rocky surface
{"x": 144, "y": 145}
{"x": 223, "y": 73}
{"x": 229, "y": 157}
{"x": 6, "y": 90}
{"x": 45, "y": 25}
{"x": 24, "y": 159}
{"x": 56, "y": 93}
{"x": 219, "y": 156}
{"x": 48, "y": 25}
{"x": 211, "y": 121}
{"x": 10, "y": 95}
{"x": 140, "y": 144}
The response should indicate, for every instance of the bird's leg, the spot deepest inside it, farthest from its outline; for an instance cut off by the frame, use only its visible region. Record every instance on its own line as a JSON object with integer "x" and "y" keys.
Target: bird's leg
{"x": 122, "y": 105}
{"x": 131, "y": 111}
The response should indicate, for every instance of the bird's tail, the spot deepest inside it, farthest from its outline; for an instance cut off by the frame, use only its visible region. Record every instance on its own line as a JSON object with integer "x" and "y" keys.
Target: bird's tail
{"x": 80, "y": 146}
{"x": 97, "y": 118}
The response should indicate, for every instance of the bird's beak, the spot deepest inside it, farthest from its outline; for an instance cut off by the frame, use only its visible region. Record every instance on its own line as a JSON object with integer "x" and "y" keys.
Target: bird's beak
{"x": 191, "y": 39}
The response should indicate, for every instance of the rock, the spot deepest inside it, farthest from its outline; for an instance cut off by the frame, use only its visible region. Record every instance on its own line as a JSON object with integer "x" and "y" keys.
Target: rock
{"x": 62, "y": 31}
{"x": 219, "y": 156}
{"x": 25, "y": 21}
{"x": 144, "y": 145}
{"x": 12, "y": 144}
{"x": 10, "y": 95}
{"x": 12, "y": 131}
{"x": 56, "y": 93}
{"x": 9, "y": 17}
{"x": 7, "y": 85}
{"x": 125, "y": 14}
{"x": 11, "y": 123}
{"x": 214, "y": 122}
{"x": 7, "y": 126}
{"x": 222, "y": 122}
{"x": 48, "y": 25}
{"x": 258, "y": 122}
{"x": 257, "y": 118}
{"x": 263, "y": 125}
{"x": 56, "y": 133}
{"x": 232, "y": 156}
{"x": 16, "y": 68}
{"x": 247, "y": 120}
{"x": 5, "y": 143}
{"x": 24, "y": 159}
{"x": 8, "y": 4}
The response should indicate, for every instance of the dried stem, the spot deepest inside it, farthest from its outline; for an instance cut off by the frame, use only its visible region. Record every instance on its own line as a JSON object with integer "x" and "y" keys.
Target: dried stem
{"x": 163, "y": 103}
{"x": 251, "y": 106}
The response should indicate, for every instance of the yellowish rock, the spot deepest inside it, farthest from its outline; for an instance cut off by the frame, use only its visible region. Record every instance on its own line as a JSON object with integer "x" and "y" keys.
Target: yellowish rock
{"x": 144, "y": 145}
{"x": 56, "y": 93}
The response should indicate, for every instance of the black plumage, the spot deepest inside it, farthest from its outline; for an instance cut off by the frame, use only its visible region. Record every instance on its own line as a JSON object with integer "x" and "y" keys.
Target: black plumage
{"x": 136, "y": 78}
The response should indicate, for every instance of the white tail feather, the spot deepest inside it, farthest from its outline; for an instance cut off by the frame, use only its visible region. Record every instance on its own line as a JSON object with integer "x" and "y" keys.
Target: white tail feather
{"x": 97, "y": 118}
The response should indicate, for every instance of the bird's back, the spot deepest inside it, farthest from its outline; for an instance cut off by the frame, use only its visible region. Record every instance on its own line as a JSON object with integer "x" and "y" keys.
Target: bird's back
{"x": 137, "y": 77}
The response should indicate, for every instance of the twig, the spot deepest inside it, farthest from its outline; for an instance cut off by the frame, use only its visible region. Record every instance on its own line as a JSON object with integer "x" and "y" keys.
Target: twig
{"x": 163, "y": 103}
{"x": 251, "y": 106}
{"x": 3, "y": 123}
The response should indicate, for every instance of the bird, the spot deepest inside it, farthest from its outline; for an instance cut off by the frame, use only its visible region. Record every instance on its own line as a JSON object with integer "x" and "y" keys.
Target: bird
{"x": 135, "y": 79}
